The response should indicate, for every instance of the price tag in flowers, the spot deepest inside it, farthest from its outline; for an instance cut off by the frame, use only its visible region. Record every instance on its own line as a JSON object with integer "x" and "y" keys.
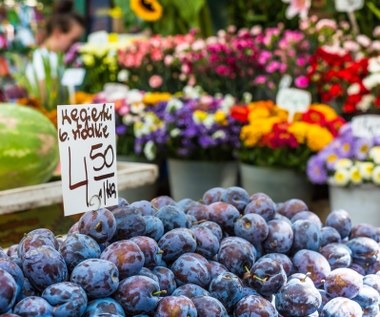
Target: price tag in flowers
{"x": 293, "y": 100}
{"x": 367, "y": 126}
{"x": 86, "y": 136}
{"x": 348, "y": 5}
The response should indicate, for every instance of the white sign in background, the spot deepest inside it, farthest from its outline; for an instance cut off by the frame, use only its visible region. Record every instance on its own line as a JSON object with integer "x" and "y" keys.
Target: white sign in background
{"x": 86, "y": 136}
{"x": 366, "y": 126}
{"x": 293, "y": 100}
{"x": 348, "y": 5}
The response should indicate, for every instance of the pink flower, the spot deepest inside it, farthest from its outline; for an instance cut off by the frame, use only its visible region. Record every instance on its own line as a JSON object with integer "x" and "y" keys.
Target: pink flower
{"x": 351, "y": 46}
{"x": 301, "y": 61}
{"x": 264, "y": 57}
{"x": 168, "y": 60}
{"x": 325, "y": 23}
{"x": 260, "y": 80}
{"x": 297, "y": 7}
{"x": 155, "y": 81}
{"x": 363, "y": 40}
{"x": 272, "y": 67}
{"x": 376, "y": 31}
{"x": 301, "y": 82}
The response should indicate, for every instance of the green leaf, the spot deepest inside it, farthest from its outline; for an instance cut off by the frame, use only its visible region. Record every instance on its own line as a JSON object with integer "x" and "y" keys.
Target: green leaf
{"x": 189, "y": 10}
{"x": 375, "y": 10}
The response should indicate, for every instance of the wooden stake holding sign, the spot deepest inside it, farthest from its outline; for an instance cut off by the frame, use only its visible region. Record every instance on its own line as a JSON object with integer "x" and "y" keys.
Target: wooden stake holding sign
{"x": 86, "y": 136}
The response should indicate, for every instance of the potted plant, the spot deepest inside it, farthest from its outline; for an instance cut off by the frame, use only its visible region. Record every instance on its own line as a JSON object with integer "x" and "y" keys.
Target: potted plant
{"x": 274, "y": 151}
{"x": 198, "y": 136}
{"x": 351, "y": 167}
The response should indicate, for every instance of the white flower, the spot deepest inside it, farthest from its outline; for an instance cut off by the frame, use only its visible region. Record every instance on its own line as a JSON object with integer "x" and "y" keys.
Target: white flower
{"x": 209, "y": 121}
{"x": 128, "y": 119}
{"x": 355, "y": 176}
{"x": 192, "y": 92}
{"x": 150, "y": 150}
{"x": 363, "y": 40}
{"x": 365, "y": 103}
{"x": 247, "y": 97}
{"x": 137, "y": 107}
{"x": 374, "y": 65}
{"x": 174, "y": 104}
{"x": 366, "y": 169}
{"x": 374, "y": 154}
{"x": 175, "y": 132}
{"x": 353, "y": 89}
{"x": 219, "y": 134}
{"x": 227, "y": 103}
{"x": 371, "y": 81}
{"x": 341, "y": 177}
{"x": 376, "y": 175}
{"x": 123, "y": 75}
{"x": 343, "y": 163}
{"x": 134, "y": 95}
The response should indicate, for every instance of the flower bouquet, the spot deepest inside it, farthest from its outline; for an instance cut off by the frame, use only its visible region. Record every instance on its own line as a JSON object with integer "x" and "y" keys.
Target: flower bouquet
{"x": 274, "y": 151}
{"x": 198, "y": 136}
{"x": 351, "y": 167}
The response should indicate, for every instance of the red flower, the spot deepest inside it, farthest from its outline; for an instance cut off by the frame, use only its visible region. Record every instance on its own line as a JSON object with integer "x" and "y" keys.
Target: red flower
{"x": 335, "y": 125}
{"x": 240, "y": 113}
{"x": 314, "y": 116}
{"x": 280, "y": 137}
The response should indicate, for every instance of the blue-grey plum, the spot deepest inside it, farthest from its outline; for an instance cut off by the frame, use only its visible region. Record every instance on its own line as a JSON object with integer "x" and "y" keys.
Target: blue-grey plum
{"x": 98, "y": 277}
{"x": 181, "y": 305}
{"x": 190, "y": 291}
{"x": 33, "y": 306}
{"x": 365, "y": 230}
{"x": 251, "y": 227}
{"x": 341, "y": 307}
{"x": 148, "y": 273}
{"x": 307, "y": 215}
{"x": 372, "y": 280}
{"x": 199, "y": 211}
{"x": 149, "y": 247}
{"x": 343, "y": 282}
{"x": 166, "y": 279}
{"x": 154, "y": 228}
{"x": 254, "y": 306}
{"x": 261, "y": 204}
{"x": 283, "y": 259}
{"x": 67, "y": 299}
{"x": 207, "y": 242}
{"x": 213, "y": 195}
{"x": 213, "y": 226}
{"x": 8, "y": 291}
{"x": 291, "y": 207}
{"x": 367, "y": 297}
{"x": 329, "y": 235}
{"x": 337, "y": 254}
{"x": 341, "y": 221}
{"x": 280, "y": 237}
{"x": 129, "y": 223}
{"x": 33, "y": 241}
{"x": 105, "y": 305}
{"x": 208, "y": 306}
{"x": 306, "y": 235}
{"x": 143, "y": 207}
{"x": 161, "y": 201}
{"x": 216, "y": 268}
{"x": 172, "y": 217}
{"x": 224, "y": 214}
{"x": 236, "y": 196}
{"x": 13, "y": 269}
{"x": 364, "y": 250}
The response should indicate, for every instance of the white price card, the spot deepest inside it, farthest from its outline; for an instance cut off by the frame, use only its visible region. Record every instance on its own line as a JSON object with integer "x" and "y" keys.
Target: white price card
{"x": 73, "y": 77}
{"x": 286, "y": 81}
{"x": 348, "y": 5}
{"x": 293, "y": 100}
{"x": 86, "y": 137}
{"x": 366, "y": 126}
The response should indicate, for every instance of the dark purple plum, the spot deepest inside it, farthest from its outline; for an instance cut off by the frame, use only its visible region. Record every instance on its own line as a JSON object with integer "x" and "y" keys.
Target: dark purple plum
{"x": 138, "y": 294}
{"x": 185, "y": 204}
{"x": 298, "y": 297}
{"x": 191, "y": 268}
{"x": 224, "y": 215}
{"x": 103, "y": 306}
{"x": 213, "y": 195}
{"x": 67, "y": 299}
{"x": 13, "y": 269}
{"x": 364, "y": 250}
{"x": 236, "y": 254}
{"x": 199, "y": 211}
{"x": 365, "y": 230}
{"x": 143, "y": 207}
{"x": 227, "y": 288}
{"x": 154, "y": 228}
{"x": 207, "y": 242}
{"x": 367, "y": 297}
{"x": 8, "y": 291}
{"x": 149, "y": 247}
{"x": 343, "y": 282}
{"x": 261, "y": 204}
{"x": 337, "y": 254}
{"x": 30, "y": 242}
{"x": 46, "y": 233}
{"x": 74, "y": 228}
{"x": 237, "y": 197}
{"x": 291, "y": 207}
{"x": 312, "y": 263}
{"x": 180, "y": 306}
{"x": 306, "y": 235}
{"x": 129, "y": 223}
{"x": 44, "y": 266}
{"x": 11, "y": 252}
{"x": 251, "y": 227}
{"x": 278, "y": 216}
{"x": 190, "y": 291}
{"x": 27, "y": 290}
{"x": 148, "y": 273}
{"x": 216, "y": 268}
{"x": 162, "y": 201}
{"x": 98, "y": 277}
{"x": 127, "y": 257}
{"x": 166, "y": 279}
{"x": 283, "y": 259}
{"x": 358, "y": 268}
{"x": 325, "y": 299}
{"x": 122, "y": 202}
{"x": 307, "y": 215}
{"x": 177, "y": 242}
{"x": 213, "y": 226}
{"x": 329, "y": 235}
{"x": 33, "y": 306}
{"x": 266, "y": 276}
{"x": 341, "y": 307}
{"x": 98, "y": 224}
{"x": 372, "y": 280}
{"x": 341, "y": 221}
{"x": 250, "y": 291}
{"x": 77, "y": 248}
{"x": 208, "y": 306}
{"x": 254, "y": 306}
{"x": 172, "y": 217}
{"x": 280, "y": 237}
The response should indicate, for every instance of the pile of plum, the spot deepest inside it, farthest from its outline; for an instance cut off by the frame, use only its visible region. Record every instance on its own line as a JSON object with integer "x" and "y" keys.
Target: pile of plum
{"x": 229, "y": 255}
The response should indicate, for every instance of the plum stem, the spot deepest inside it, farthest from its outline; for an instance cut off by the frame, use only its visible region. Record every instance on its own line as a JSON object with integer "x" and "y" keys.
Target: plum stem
{"x": 160, "y": 292}
{"x": 262, "y": 280}
{"x": 247, "y": 270}
{"x": 160, "y": 251}
{"x": 306, "y": 276}
{"x": 98, "y": 227}
{"x": 199, "y": 221}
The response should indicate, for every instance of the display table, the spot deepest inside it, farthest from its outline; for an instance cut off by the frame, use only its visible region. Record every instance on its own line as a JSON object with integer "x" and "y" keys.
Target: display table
{"x": 130, "y": 175}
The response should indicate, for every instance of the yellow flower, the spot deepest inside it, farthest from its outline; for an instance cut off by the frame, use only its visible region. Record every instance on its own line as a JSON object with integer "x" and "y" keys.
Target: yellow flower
{"x": 147, "y": 10}
{"x": 318, "y": 137}
{"x": 220, "y": 117}
{"x": 299, "y": 130}
{"x": 366, "y": 169}
{"x": 153, "y": 98}
{"x": 376, "y": 175}
{"x": 331, "y": 158}
{"x": 356, "y": 177}
{"x": 328, "y": 111}
{"x": 250, "y": 135}
{"x": 199, "y": 116}
{"x": 88, "y": 59}
{"x": 343, "y": 163}
{"x": 341, "y": 177}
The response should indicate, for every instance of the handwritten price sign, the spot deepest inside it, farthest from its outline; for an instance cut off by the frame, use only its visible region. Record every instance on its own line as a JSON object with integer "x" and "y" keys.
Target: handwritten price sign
{"x": 86, "y": 136}
{"x": 348, "y": 5}
{"x": 366, "y": 126}
{"x": 293, "y": 100}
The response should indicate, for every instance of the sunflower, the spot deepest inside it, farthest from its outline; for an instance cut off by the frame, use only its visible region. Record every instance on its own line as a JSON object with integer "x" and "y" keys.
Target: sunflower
{"x": 147, "y": 10}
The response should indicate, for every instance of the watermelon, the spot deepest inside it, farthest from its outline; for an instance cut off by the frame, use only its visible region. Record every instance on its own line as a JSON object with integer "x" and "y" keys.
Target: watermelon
{"x": 28, "y": 147}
